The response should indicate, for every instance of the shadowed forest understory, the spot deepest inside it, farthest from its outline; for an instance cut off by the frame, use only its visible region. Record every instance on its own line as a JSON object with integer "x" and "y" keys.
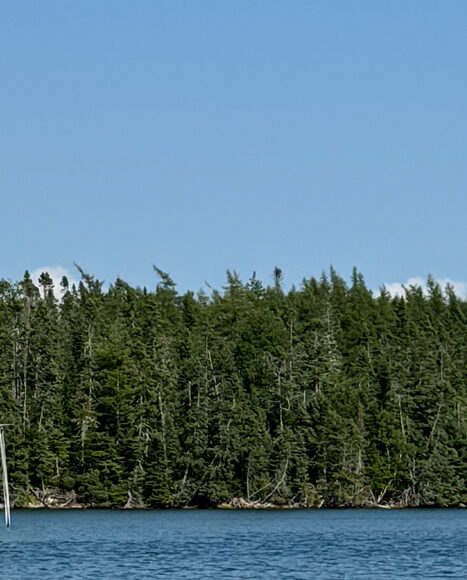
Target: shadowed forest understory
{"x": 323, "y": 395}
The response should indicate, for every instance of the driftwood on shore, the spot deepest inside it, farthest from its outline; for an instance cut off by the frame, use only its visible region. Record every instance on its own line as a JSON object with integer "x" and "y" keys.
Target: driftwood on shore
{"x": 241, "y": 503}
{"x": 238, "y": 503}
{"x": 133, "y": 503}
{"x": 53, "y": 498}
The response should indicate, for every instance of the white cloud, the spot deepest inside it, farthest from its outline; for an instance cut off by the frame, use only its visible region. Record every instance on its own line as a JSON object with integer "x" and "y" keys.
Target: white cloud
{"x": 56, "y": 273}
{"x": 398, "y": 288}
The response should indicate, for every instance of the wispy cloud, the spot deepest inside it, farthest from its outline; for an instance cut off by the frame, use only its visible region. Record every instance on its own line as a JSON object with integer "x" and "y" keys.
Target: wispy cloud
{"x": 398, "y": 288}
{"x": 56, "y": 273}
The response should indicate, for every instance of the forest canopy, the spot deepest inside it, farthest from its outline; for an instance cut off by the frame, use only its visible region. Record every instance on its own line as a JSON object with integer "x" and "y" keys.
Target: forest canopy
{"x": 323, "y": 395}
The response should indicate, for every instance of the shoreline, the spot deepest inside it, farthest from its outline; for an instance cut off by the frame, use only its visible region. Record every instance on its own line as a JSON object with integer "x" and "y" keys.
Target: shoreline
{"x": 227, "y": 507}
{"x": 57, "y": 499}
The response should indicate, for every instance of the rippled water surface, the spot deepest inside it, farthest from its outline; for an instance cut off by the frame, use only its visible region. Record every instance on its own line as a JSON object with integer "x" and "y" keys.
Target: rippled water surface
{"x": 369, "y": 544}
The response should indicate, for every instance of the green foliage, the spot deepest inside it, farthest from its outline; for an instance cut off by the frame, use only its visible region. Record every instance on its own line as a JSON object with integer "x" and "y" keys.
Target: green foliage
{"x": 322, "y": 394}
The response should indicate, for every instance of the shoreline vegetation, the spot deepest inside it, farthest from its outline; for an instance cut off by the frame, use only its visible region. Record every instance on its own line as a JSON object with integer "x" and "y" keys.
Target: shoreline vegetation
{"x": 56, "y": 499}
{"x": 250, "y": 397}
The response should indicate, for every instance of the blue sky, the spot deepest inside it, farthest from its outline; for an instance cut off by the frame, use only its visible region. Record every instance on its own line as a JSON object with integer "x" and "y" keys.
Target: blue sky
{"x": 213, "y": 135}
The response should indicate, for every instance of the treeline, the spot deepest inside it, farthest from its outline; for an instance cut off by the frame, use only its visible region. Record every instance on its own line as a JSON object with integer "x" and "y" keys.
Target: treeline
{"x": 323, "y": 395}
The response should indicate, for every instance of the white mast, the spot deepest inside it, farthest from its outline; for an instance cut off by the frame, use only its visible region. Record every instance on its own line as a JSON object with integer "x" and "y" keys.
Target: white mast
{"x": 6, "y": 494}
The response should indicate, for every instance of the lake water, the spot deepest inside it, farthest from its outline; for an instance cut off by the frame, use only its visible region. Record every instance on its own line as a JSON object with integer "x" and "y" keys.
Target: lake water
{"x": 370, "y": 544}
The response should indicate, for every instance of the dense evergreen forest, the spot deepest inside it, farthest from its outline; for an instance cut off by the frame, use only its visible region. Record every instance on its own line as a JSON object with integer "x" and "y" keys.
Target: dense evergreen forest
{"x": 323, "y": 395}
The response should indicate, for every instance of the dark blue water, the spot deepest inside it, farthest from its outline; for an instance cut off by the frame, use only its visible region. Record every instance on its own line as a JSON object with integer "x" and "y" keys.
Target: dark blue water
{"x": 368, "y": 544}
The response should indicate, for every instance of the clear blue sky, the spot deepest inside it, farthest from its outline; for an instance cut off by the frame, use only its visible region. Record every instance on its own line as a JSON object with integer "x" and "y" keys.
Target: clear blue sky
{"x": 212, "y": 135}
